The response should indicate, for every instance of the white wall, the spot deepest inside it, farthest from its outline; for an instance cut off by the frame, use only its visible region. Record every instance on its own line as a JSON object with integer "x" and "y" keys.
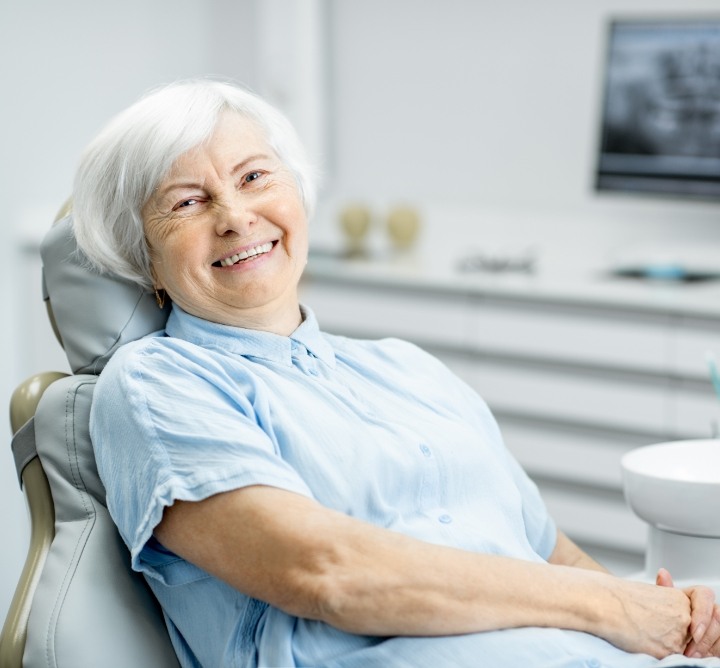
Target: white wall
{"x": 485, "y": 115}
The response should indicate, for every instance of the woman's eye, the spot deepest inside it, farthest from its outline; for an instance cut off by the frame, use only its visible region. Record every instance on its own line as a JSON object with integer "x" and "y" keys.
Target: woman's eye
{"x": 185, "y": 203}
{"x": 252, "y": 176}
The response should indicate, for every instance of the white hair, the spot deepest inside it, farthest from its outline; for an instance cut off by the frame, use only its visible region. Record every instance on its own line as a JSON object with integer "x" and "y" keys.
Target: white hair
{"x": 128, "y": 160}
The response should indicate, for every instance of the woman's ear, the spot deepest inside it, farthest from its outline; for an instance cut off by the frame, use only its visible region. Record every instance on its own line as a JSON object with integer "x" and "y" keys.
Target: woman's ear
{"x": 156, "y": 283}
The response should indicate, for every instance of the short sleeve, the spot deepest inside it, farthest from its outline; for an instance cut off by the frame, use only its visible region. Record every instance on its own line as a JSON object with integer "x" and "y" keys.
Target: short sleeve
{"x": 167, "y": 426}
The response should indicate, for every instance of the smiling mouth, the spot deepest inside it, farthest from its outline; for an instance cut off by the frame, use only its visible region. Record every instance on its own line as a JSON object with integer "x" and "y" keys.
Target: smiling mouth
{"x": 245, "y": 255}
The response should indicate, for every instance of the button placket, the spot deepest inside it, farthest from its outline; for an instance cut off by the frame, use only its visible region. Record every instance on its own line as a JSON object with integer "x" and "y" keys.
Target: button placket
{"x": 430, "y": 481}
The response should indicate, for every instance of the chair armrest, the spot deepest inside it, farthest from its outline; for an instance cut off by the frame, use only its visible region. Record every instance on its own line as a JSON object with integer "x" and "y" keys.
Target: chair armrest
{"x": 42, "y": 519}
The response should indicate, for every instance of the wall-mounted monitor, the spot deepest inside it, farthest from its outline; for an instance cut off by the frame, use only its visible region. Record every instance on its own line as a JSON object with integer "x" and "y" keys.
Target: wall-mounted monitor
{"x": 660, "y": 121}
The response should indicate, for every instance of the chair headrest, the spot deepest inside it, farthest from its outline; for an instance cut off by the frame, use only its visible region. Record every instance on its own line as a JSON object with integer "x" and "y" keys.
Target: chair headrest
{"x": 94, "y": 314}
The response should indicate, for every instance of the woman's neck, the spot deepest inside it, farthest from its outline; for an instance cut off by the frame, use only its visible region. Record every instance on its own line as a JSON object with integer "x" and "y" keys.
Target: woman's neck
{"x": 283, "y": 321}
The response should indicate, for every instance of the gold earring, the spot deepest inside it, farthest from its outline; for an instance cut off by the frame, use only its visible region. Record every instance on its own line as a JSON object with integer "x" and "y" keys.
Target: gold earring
{"x": 160, "y": 297}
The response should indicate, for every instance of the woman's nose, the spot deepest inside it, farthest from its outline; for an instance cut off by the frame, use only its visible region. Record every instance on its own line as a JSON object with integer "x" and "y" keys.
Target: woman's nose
{"x": 234, "y": 215}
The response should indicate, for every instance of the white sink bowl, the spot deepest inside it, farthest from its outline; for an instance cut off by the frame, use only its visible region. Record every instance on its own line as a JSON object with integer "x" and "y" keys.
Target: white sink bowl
{"x": 676, "y": 486}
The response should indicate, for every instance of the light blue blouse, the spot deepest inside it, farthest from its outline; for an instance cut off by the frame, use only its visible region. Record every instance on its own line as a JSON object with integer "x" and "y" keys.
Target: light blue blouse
{"x": 379, "y": 430}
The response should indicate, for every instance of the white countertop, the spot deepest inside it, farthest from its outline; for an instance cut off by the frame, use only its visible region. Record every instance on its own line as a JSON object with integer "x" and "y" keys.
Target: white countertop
{"x": 572, "y": 287}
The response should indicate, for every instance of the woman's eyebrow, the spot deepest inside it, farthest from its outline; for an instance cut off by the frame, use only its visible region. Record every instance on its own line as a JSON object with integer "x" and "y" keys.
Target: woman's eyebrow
{"x": 244, "y": 163}
{"x": 181, "y": 185}
{"x": 164, "y": 191}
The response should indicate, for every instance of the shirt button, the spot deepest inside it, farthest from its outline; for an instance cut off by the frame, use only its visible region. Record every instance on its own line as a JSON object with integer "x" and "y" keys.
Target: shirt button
{"x": 594, "y": 663}
{"x": 425, "y": 450}
{"x": 445, "y": 519}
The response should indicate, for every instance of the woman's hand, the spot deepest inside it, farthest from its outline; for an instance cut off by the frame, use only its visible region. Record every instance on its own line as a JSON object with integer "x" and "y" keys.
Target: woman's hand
{"x": 702, "y": 637}
{"x": 705, "y": 618}
{"x": 650, "y": 619}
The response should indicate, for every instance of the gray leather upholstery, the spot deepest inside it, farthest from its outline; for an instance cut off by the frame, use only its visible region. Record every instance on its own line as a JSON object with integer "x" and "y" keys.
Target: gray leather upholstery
{"x": 89, "y": 609}
{"x": 94, "y": 314}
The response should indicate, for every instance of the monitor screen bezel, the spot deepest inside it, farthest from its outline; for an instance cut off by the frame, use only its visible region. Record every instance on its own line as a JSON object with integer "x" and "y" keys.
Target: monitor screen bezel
{"x": 680, "y": 186}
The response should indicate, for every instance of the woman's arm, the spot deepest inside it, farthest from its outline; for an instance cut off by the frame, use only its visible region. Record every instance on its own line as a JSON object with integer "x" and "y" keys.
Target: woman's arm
{"x": 312, "y": 562}
{"x": 567, "y": 553}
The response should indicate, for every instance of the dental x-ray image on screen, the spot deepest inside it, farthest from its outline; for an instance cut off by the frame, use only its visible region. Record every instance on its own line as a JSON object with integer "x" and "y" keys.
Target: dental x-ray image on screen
{"x": 661, "y": 113}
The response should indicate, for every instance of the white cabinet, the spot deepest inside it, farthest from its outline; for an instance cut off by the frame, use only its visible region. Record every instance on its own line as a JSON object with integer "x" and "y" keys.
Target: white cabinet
{"x": 574, "y": 384}
{"x": 570, "y": 334}
{"x": 693, "y": 339}
{"x": 442, "y": 319}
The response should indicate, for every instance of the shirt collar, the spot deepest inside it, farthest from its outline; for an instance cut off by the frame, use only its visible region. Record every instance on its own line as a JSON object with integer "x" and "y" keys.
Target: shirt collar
{"x": 252, "y": 342}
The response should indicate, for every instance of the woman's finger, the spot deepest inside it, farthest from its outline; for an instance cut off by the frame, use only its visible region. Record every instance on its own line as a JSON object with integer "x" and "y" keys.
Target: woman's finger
{"x": 706, "y": 641}
{"x": 663, "y": 578}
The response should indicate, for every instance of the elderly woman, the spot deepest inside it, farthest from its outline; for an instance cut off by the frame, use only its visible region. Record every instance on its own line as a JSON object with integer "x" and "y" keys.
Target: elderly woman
{"x": 300, "y": 499}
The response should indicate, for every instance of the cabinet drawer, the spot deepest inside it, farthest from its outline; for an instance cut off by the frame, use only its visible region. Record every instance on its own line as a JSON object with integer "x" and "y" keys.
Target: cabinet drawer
{"x": 693, "y": 340}
{"x": 438, "y": 319}
{"x": 695, "y": 412}
{"x": 635, "y": 404}
{"x": 573, "y": 334}
{"x": 569, "y": 454}
{"x": 606, "y": 521}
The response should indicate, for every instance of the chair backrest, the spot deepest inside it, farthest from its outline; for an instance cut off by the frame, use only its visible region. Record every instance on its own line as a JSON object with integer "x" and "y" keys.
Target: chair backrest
{"x": 78, "y": 604}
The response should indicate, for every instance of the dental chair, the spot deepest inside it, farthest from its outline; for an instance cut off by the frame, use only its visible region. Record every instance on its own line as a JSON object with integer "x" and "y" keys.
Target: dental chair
{"x": 77, "y": 604}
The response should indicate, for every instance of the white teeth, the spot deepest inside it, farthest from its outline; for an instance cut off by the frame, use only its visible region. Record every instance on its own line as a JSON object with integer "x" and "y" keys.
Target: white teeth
{"x": 258, "y": 250}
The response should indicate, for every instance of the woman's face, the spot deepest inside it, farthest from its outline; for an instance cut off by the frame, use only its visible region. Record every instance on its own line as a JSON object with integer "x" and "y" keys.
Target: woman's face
{"x": 227, "y": 231}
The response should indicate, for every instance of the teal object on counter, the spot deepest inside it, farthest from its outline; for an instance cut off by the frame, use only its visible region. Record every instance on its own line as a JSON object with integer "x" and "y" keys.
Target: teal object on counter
{"x": 714, "y": 373}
